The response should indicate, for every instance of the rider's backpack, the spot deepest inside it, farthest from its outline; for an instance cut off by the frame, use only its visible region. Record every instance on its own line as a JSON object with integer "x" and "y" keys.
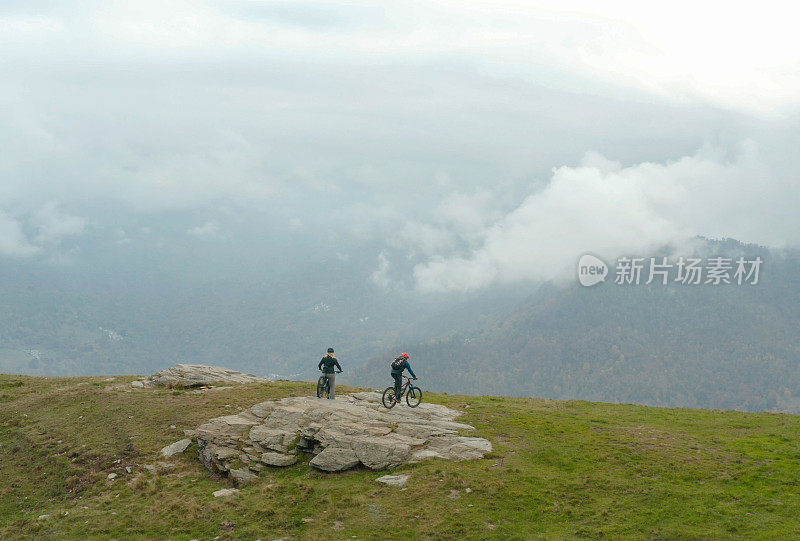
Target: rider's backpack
{"x": 398, "y": 364}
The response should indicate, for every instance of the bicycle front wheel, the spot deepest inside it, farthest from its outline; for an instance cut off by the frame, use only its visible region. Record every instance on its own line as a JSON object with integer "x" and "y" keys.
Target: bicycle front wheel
{"x": 413, "y": 397}
{"x": 388, "y": 398}
{"x": 321, "y": 386}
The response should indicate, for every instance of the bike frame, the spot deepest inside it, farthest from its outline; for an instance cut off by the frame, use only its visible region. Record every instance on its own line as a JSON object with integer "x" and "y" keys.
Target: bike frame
{"x": 406, "y": 385}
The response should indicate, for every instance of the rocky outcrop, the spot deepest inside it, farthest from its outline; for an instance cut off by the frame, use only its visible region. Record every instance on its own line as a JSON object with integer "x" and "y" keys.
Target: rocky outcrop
{"x": 196, "y": 375}
{"x": 337, "y": 434}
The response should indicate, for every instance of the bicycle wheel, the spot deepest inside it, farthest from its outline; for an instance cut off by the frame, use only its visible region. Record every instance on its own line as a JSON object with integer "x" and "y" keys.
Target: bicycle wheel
{"x": 413, "y": 397}
{"x": 388, "y": 398}
{"x": 322, "y": 386}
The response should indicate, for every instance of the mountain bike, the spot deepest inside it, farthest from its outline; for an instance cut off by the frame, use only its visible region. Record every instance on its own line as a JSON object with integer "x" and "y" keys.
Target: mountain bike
{"x": 324, "y": 385}
{"x": 413, "y": 395}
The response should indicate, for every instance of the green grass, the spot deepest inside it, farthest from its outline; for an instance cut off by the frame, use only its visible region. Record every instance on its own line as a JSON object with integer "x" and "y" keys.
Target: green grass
{"x": 560, "y": 470}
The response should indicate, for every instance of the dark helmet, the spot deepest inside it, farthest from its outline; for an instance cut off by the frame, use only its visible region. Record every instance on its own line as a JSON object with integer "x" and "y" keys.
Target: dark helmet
{"x": 330, "y": 350}
{"x": 404, "y": 355}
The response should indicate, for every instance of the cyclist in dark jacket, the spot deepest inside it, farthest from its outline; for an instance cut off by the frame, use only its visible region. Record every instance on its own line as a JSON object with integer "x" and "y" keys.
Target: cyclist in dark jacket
{"x": 397, "y": 373}
{"x": 327, "y": 365}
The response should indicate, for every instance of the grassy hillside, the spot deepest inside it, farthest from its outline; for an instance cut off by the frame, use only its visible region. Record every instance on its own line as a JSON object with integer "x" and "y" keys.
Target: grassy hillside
{"x": 559, "y": 470}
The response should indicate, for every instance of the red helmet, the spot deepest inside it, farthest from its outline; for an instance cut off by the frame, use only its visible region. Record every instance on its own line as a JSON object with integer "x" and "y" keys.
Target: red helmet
{"x": 404, "y": 355}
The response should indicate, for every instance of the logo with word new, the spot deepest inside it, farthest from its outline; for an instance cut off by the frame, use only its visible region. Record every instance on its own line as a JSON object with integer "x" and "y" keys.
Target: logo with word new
{"x": 636, "y": 271}
{"x": 591, "y": 270}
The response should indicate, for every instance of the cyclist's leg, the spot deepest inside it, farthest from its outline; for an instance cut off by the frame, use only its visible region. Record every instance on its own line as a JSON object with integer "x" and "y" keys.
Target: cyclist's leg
{"x": 398, "y": 383}
{"x": 332, "y": 384}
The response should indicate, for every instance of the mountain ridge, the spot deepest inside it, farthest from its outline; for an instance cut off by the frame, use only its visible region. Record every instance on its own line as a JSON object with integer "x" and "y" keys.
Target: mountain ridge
{"x": 728, "y": 346}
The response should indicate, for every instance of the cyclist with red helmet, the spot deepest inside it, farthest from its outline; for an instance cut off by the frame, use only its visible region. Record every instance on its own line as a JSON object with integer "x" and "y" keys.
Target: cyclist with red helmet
{"x": 398, "y": 366}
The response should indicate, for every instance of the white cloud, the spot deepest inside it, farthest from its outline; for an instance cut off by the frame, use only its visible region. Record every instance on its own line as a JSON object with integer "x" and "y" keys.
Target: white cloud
{"x": 459, "y": 219}
{"x": 467, "y": 214}
{"x": 54, "y": 224}
{"x": 209, "y": 230}
{"x": 13, "y": 241}
{"x": 603, "y": 208}
{"x": 28, "y": 28}
{"x": 374, "y": 112}
{"x": 425, "y": 238}
{"x": 188, "y": 178}
{"x": 381, "y": 275}
{"x": 677, "y": 50}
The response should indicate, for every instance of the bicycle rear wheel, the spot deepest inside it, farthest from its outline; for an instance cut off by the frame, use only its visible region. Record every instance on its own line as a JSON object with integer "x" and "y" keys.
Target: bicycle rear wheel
{"x": 388, "y": 398}
{"x": 413, "y": 397}
{"x": 322, "y": 386}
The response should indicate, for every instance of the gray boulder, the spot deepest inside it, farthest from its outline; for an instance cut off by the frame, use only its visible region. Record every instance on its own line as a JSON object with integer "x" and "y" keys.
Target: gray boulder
{"x": 335, "y": 459}
{"x": 242, "y": 477}
{"x": 176, "y": 448}
{"x": 278, "y": 459}
{"x": 197, "y": 375}
{"x": 393, "y": 480}
{"x": 338, "y": 434}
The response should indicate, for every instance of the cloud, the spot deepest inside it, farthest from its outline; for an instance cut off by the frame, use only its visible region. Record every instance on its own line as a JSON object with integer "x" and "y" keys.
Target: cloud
{"x": 604, "y": 208}
{"x": 459, "y": 219}
{"x": 247, "y": 103}
{"x": 15, "y": 28}
{"x": 381, "y": 275}
{"x": 121, "y": 237}
{"x": 468, "y": 214}
{"x": 209, "y": 230}
{"x": 618, "y": 43}
{"x": 419, "y": 127}
{"x": 198, "y": 171}
{"x": 424, "y": 238}
{"x": 54, "y": 224}
{"x": 13, "y": 241}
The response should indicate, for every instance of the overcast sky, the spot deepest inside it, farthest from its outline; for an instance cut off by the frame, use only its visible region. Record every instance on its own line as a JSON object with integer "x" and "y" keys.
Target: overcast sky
{"x": 487, "y": 141}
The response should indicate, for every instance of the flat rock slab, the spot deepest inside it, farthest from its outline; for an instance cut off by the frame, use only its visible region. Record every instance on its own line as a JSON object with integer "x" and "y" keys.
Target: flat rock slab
{"x": 336, "y": 434}
{"x": 196, "y": 375}
{"x": 393, "y": 480}
{"x": 221, "y": 493}
{"x": 176, "y": 448}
